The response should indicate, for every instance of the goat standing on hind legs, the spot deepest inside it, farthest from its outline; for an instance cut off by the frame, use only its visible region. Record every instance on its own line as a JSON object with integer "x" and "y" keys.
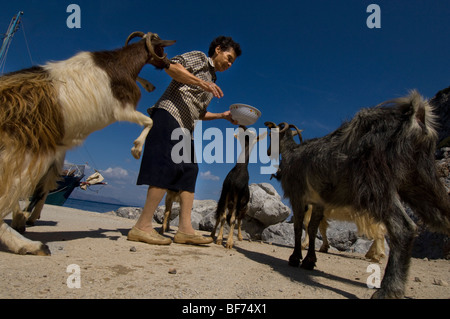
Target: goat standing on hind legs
{"x": 235, "y": 191}
{"x": 46, "y": 110}
{"x": 382, "y": 157}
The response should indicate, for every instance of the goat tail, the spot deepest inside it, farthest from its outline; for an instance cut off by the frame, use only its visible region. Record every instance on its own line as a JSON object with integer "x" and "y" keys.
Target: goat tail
{"x": 423, "y": 121}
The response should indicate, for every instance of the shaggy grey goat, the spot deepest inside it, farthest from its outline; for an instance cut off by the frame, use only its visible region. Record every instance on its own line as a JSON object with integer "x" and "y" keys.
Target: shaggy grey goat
{"x": 383, "y": 156}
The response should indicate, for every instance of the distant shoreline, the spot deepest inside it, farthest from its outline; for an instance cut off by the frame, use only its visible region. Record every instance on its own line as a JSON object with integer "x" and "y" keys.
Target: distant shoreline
{"x": 94, "y": 206}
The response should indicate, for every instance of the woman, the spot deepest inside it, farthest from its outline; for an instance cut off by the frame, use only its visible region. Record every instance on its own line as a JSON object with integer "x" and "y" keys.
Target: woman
{"x": 184, "y": 102}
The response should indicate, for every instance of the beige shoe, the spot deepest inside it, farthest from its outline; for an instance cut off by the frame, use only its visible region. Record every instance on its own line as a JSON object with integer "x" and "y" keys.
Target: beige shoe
{"x": 154, "y": 238}
{"x": 197, "y": 239}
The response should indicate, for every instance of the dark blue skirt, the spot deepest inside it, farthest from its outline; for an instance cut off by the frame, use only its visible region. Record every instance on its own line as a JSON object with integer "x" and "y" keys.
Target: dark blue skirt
{"x": 157, "y": 167}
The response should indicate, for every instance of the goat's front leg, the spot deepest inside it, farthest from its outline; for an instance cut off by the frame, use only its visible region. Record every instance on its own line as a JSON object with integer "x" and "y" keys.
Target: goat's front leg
{"x": 136, "y": 150}
{"x": 310, "y": 260}
{"x": 299, "y": 210}
{"x": 18, "y": 244}
{"x": 134, "y": 116}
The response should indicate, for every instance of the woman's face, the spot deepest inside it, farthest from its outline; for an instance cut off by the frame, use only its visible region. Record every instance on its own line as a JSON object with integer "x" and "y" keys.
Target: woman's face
{"x": 223, "y": 59}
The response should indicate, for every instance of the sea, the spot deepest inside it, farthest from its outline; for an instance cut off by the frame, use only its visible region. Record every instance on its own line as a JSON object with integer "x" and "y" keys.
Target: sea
{"x": 91, "y": 206}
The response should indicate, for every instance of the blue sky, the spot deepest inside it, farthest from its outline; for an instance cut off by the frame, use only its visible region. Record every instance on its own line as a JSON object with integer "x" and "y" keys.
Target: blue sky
{"x": 310, "y": 63}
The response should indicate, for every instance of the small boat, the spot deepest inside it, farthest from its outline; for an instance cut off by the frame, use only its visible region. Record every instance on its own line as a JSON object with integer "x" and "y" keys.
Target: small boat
{"x": 71, "y": 178}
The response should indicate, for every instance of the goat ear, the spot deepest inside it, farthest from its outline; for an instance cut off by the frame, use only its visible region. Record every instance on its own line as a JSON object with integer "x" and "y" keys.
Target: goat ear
{"x": 297, "y": 132}
{"x": 163, "y": 43}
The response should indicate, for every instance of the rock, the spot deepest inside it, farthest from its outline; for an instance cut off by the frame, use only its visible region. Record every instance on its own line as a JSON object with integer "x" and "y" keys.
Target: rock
{"x": 266, "y": 205}
{"x": 196, "y": 218}
{"x": 159, "y": 213}
{"x": 200, "y": 208}
{"x": 207, "y": 223}
{"x": 281, "y": 234}
{"x": 172, "y": 271}
{"x": 342, "y": 235}
{"x": 129, "y": 212}
{"x": 361, "y": 246}
{"x": 133, "y": 249}
{"x": 252, "y": 228}
{"x": 440, "y": 282}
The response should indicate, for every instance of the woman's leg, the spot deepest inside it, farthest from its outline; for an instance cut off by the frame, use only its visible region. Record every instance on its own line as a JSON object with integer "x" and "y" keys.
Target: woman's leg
{"x": 154, "y": 197}
{"x": 186, "y": 203}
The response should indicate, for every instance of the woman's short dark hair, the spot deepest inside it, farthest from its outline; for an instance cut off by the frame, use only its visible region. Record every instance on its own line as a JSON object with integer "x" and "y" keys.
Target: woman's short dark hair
{"x": 225, "y": 43}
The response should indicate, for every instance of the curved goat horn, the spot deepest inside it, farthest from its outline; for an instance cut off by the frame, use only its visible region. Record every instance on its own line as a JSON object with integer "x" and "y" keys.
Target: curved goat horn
{"x": 298, "y": 132}
{"x": 270, "y": 124}
{"x": 134, "y": 35}
{"x": 149, "y": 37}
{"x": 283, "y": 127}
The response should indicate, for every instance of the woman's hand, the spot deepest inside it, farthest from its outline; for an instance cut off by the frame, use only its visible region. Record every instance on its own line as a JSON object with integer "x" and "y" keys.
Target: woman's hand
{"x": 215, "y": 116}
{"x": 212, "y": 88}
{"x": 179, "y": 73}
{"x": 227, "y": 116}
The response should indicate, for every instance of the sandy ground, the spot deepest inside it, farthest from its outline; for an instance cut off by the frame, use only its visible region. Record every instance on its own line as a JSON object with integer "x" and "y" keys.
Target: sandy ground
{"x": 112, "y": 267}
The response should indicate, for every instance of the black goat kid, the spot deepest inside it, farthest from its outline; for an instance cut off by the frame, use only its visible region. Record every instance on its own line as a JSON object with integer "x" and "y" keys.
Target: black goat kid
{"x": 370, "y": 165}
{"x": 235, "y": 191}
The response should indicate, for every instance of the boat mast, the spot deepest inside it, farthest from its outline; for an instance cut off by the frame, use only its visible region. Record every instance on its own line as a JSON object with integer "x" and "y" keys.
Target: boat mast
{"x": 13, "y": 27}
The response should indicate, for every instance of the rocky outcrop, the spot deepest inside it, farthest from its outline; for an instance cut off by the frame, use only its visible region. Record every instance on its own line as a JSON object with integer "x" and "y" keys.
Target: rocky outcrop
{"x": 265, "y": 209}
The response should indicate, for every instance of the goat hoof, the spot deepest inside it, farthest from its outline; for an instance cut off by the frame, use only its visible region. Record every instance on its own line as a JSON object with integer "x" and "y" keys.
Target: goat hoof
{"x": 136, "y": 153}
{"x": 308, "y": 263}
{"x": 323, "y": 249}
{"x": 42, "y": 250}
{"x": 30, "y": 223}
{"x": 20, "y": 229}
{"x": 294, "y": 262}
{"x": 382, "y": 294}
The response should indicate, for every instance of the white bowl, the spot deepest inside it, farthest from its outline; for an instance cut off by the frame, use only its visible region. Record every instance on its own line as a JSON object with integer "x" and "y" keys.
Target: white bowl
{"x": 244, "y": 114}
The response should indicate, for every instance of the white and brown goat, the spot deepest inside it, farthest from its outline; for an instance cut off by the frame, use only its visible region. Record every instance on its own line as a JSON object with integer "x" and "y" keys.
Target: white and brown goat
{"x": 46, "y": 110}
